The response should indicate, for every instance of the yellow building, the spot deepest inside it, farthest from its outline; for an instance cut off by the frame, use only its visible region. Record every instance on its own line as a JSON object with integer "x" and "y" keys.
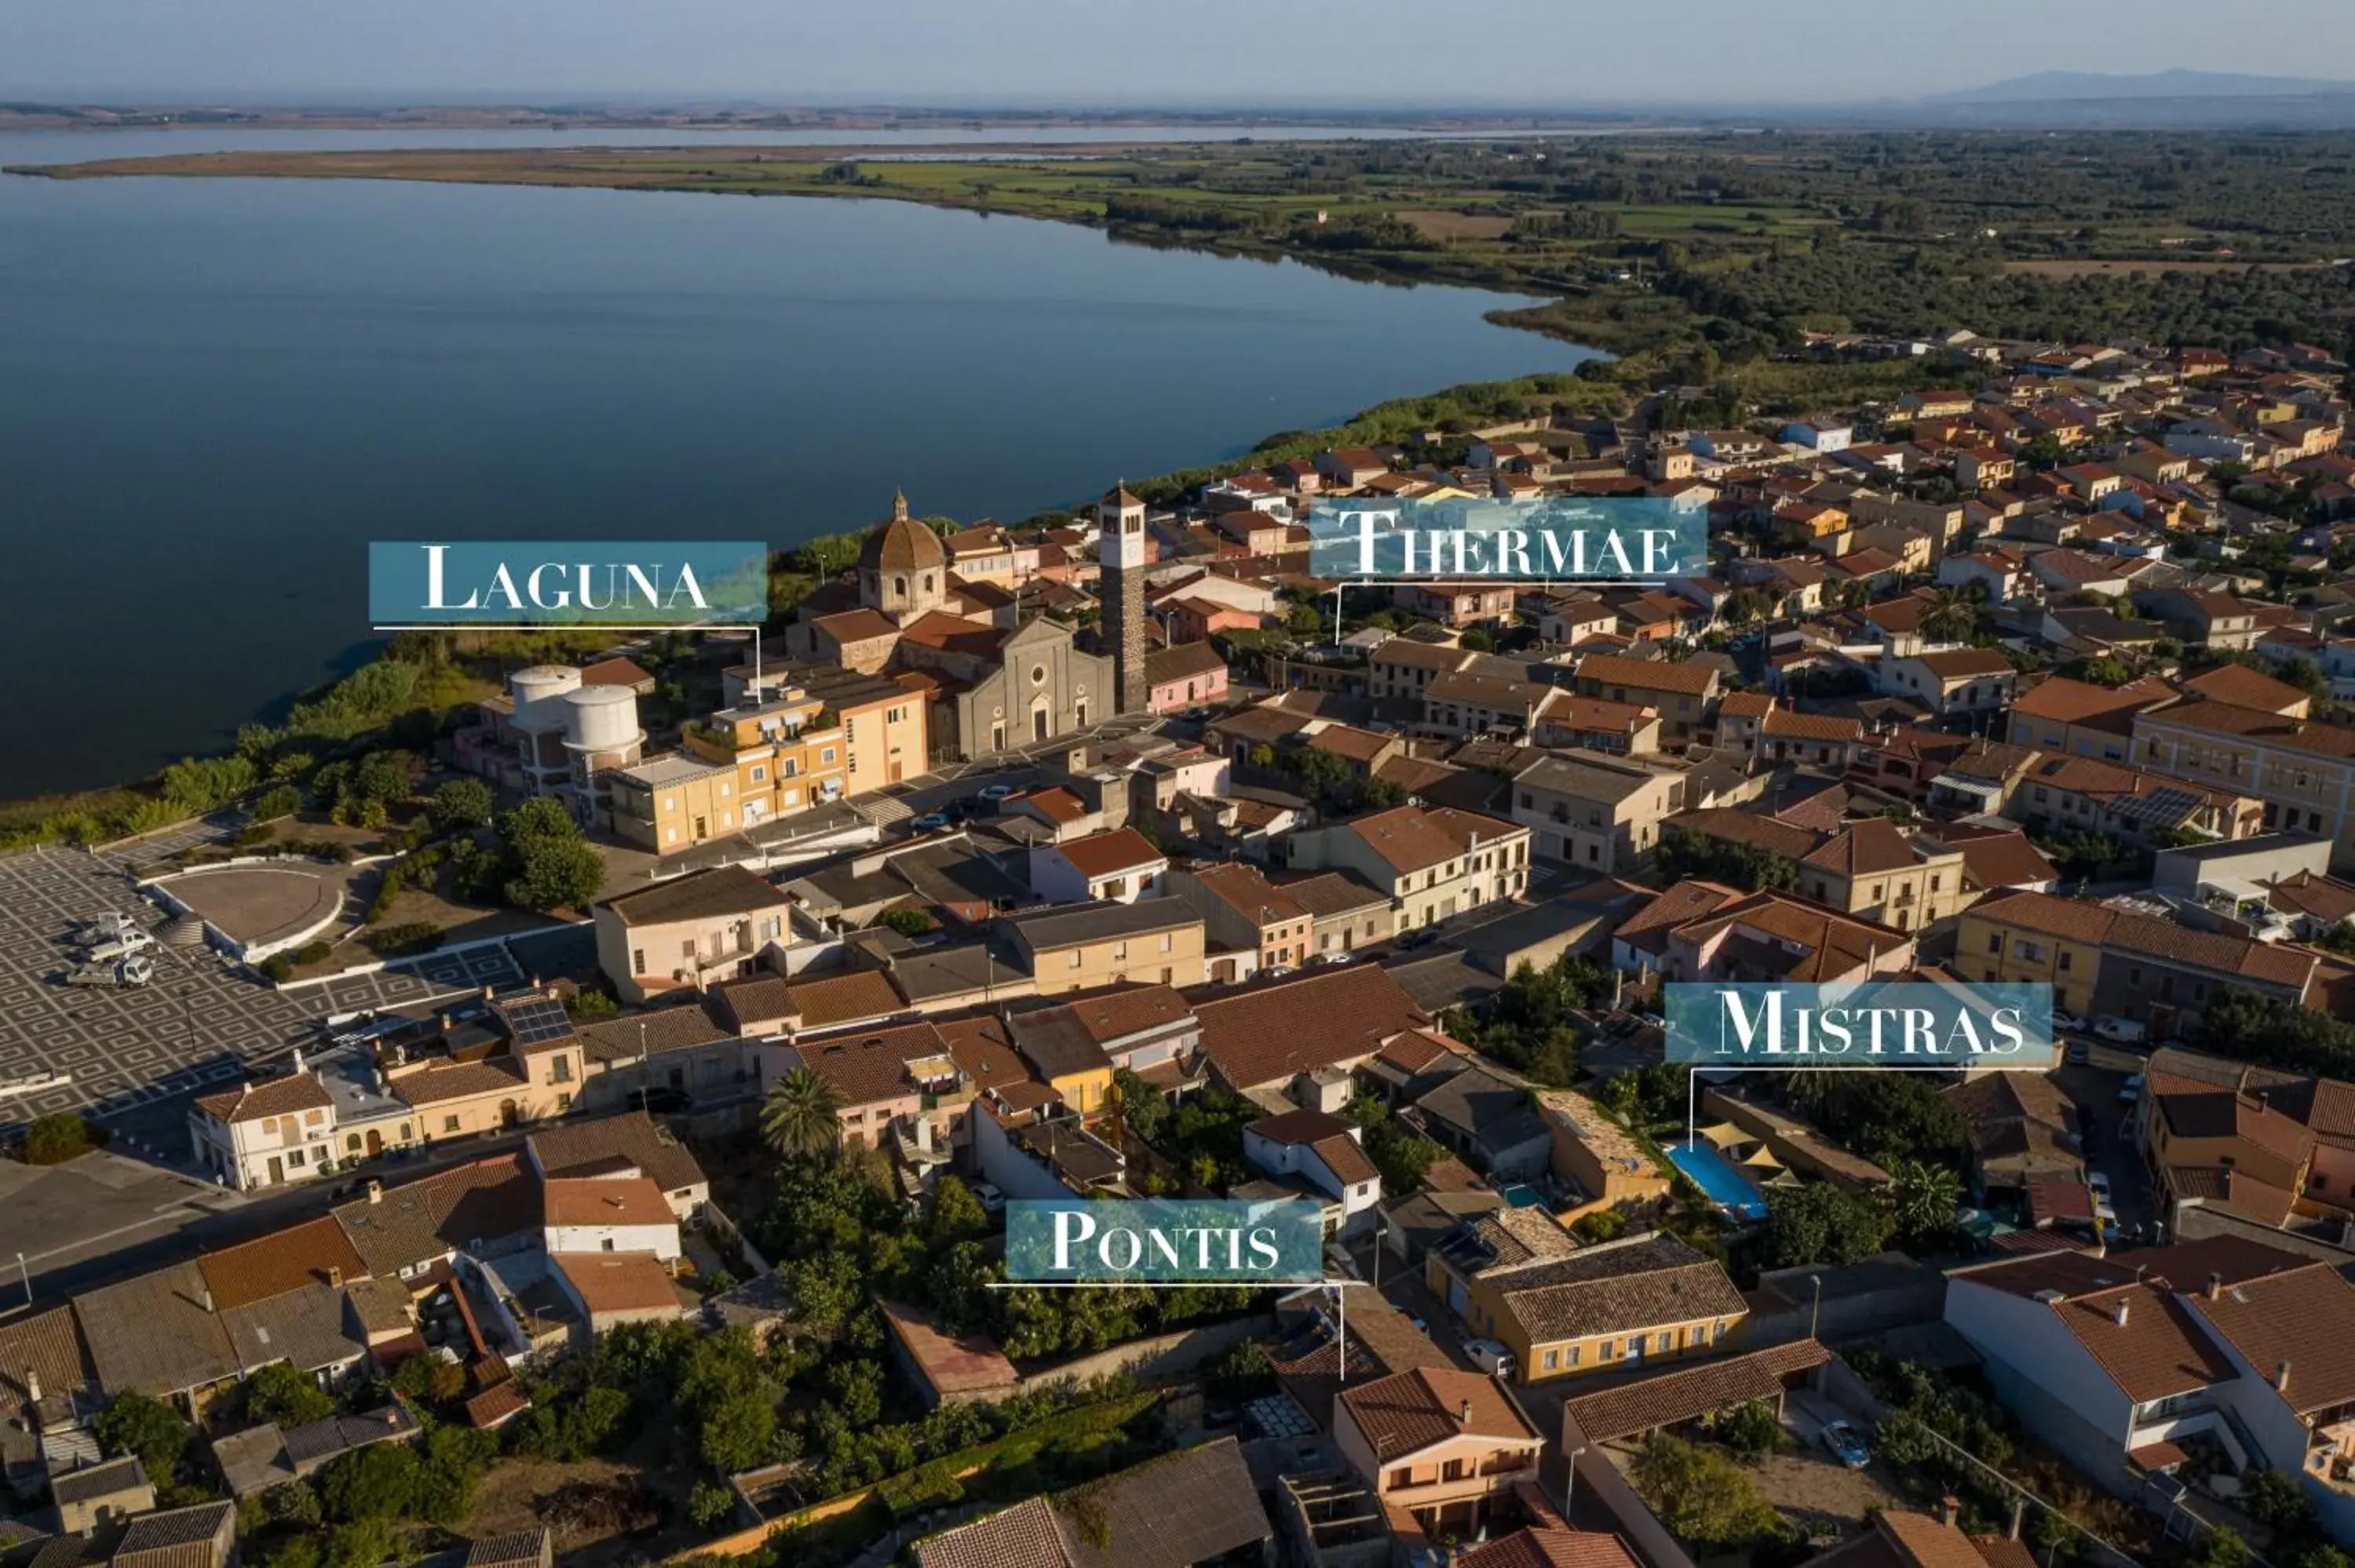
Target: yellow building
{"x": 814, "y": 736}
{"x": 2031, "y": 939}
{"x": 1155, "y": 941}
{"x": 1621, "y": 1304}
{"x": 1598, "y": 1156}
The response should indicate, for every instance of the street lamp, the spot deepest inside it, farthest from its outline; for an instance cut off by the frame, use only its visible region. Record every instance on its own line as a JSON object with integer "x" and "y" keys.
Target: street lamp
{"x": 1816, "y": 1315}
{"x": 1569, "y": 1484}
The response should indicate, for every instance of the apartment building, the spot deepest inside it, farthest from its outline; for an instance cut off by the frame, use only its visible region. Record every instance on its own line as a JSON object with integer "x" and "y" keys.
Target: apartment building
{"x": 808, "y": 737}
{"x": 683, "y": 934}
{"x": 1348, "y": 912}
{"x": 2074, "y": 718}
{"x": 2114, "y": 962}
{"x": 1684, "y": 693}
{"x": 2078, "y": 794}
{"x": 1243, "y": 912}
{"x": 1871, "y": 868}
{"x": 1081, "y": 947}
{"x": 1434, "y": 863}
{"x": 1596, "y": 812}
{"x": 2303, "y": 772}
{"x": 262, "y": 1135}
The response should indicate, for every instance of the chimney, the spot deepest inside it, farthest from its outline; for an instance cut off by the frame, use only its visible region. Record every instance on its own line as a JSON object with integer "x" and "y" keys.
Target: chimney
{"x": 298, "y": 1061}
{"x": 204, "y": 1297}
{"x": 392, "y": 1416}
{"x": 32, "y": 1385}
{"x": 375, "y": 1190}
{"x": 2215, "y": 1286}
{"x": 2281, "y": 1377}
{"x": 1949, "y": 1507}
{"x": 2119, "y": 1314}
{"x": 2019, "y": 1507}
{"x": 335, "y": 1276}
{"x": 1463, "y": 1413}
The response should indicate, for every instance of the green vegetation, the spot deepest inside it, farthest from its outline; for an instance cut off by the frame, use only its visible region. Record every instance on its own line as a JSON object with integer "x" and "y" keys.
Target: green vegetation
{"x": 58, "y": 1137}
{"x": 1746, "y": 866}
{"x": 1526, "y": 1025}
{"x": 1702, "y": 1495}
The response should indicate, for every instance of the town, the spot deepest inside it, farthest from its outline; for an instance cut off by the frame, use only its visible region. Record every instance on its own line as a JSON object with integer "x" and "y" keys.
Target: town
{"x": 586, "y": 1128}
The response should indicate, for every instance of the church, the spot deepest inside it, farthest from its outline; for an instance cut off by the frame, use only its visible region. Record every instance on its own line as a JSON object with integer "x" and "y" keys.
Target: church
{"x": 992, "y": 678}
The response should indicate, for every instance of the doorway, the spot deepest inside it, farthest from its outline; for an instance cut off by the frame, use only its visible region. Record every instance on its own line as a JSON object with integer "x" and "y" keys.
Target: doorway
{"x": 375, "y": 1143}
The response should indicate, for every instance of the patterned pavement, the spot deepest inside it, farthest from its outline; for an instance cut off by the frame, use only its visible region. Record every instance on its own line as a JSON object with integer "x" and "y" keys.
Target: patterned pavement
{"x": 201, "y": 1021}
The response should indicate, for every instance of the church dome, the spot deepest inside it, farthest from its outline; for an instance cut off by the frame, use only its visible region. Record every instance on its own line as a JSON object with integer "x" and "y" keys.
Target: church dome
{"x": 900, "y": 544}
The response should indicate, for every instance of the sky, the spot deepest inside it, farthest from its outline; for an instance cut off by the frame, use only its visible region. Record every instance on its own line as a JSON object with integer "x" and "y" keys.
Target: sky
{"x": 1148, "y": 53}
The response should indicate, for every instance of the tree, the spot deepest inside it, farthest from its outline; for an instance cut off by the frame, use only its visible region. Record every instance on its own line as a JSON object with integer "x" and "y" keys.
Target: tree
{"x": 738, "y": 1433}
{"x": 801, "y": 1114}
{"x": 461, "y": 805}
{"x": 1823, "y": 1224}
{"x": 710, "y": 1506}
{"x": 2217, "y": 1548}
{"x": 1952, "y": 616}
{"x": 559, "y": 874}
{"x": 1753, "y": 1431}
{"x": 1144, "y": 1109}
{"x": 1923, "y": 1199}
{"x": 149, "y": 1428}
{"x": 286, "y": 1396}
{"x": 1703, "y": 1497}
{"x": 955, "y": 1215}
{"x": 377, "y": 1483}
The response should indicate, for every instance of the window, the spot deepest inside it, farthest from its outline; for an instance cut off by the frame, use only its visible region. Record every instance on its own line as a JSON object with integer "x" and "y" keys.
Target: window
{"x": 449, "y": 1124}
{"x": 563, "y": 1102}
{"x": 404, "y": 1132}
{"x": 1075, "y": 960}
{"x": 560, "y": 1070}
{"x": 760, "y": 773}
{"x": 311, "y": 1118}
{"x": 1608, "y": 1349}
{"x": 637, "y": 960}
{"x": 1552, "y": 1359}
{"x": 294, "y": 1157}
{"x": 1166, "y": 940}
{"x": 1995, "y": 941}
{"x": 1573, "y": 1353}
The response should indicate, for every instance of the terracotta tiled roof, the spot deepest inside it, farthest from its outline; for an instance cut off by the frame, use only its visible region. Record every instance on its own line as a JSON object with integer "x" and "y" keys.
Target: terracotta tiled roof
{"x": 314, "y": 1253}
{"x": 606, "y": 1201}
{"x": 2211, "y": 717}
{"x": 1689, "y": 678}
{"x": 1784, "y": 724}
{"x": 1635, "y": 1284}
{"x": 869, "y": 1066}
{"x": 2302, "y": 1319}
{"x": 1411, "y": 839}
{"x": 279, "y": 1097}
{"x": 2244, "y": 687}
{"x": 1109, "y": 854}
{"x": 1864, "y": 849}
{"x": 446, "y": 1081}
{"x": 1409, "y": 1412}
{"x": 483, "y": 1200}
{"x": 1268, "y": 1033}
{"x": 846, "y": 999}
{"x": 1537, "y": 1548}
{"x": 618, "y": 1281}
{"x": 1018, "y": 1537}
{"x": 1671, "y": 1398}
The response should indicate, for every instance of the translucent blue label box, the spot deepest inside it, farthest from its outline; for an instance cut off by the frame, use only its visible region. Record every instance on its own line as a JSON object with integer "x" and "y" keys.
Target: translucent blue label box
{"x": 1641, "y": 539}
{"x": 1164, "y": 1241}
{"x": 1871, "y": 1023}
{"x": 636, "y": 585}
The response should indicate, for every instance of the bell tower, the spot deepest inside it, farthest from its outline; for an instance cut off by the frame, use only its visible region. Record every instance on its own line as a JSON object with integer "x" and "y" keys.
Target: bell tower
{"x": 1121, "y": 552}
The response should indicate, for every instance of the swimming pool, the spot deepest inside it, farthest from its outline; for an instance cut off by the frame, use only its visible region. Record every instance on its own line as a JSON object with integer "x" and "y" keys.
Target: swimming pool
{"x": 1522, "y": 1195}
{"x": 1715, "y": 1175}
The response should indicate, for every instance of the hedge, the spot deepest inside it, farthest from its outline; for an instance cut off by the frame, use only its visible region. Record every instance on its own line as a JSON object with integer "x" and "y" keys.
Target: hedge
{"x": 943, "y": 1480}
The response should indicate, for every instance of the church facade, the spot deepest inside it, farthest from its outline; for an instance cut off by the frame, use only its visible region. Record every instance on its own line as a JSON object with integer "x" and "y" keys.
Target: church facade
{"x": 990, "y": 681}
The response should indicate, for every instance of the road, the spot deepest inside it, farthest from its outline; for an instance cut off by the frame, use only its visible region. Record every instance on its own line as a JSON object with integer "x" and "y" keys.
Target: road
{"x": 2093, "y": 1087}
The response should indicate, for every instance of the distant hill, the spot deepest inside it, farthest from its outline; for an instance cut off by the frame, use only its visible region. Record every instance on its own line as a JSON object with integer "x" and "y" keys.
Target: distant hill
{"x": 2067, "y": 86}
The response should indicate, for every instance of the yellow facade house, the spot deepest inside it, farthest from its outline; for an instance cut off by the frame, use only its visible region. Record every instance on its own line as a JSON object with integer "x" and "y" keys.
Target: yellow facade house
{"x": 1620, "y": 1303}
{"x": 1154, "y": 941}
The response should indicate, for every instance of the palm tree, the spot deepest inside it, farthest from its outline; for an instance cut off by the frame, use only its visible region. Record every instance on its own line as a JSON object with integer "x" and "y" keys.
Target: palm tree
{"x": 1923, "y": 1197}
{"x": 801, "y": 1114}
{"x": 1953, "y": 618}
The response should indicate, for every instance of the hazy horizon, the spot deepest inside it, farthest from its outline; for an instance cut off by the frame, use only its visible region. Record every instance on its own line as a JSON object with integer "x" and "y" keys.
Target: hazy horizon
{"x": 1273, "y": 55}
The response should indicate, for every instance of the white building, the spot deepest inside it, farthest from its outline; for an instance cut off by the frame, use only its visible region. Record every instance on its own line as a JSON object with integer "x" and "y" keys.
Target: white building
{"x": 1321, "y": 1150}
{"x": 267, "y": 1134}
{"x": 608, "y": 1214}
{"x": 1121, "y": 865}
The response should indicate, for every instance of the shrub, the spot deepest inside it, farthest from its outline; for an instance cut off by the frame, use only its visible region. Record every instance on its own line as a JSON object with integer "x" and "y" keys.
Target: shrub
{"x": 55, "y": 1139}
{"x": 278, "y": 801}
{"x": 411, "y": 936}
{"x": 149, "y": 1428}
{"x": 279, "y": 967}
{"x": 711, "y": 1507}
{"x": 314, "y": 952}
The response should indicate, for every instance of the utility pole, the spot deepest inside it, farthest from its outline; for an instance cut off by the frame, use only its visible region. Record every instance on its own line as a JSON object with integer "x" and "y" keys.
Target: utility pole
{"x": 1815, "y": 1314}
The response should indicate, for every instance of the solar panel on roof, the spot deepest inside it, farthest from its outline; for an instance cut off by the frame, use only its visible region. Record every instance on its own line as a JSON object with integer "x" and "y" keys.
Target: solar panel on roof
{"x": 2162, "y": 805}
{"x": 537, "y": 1020}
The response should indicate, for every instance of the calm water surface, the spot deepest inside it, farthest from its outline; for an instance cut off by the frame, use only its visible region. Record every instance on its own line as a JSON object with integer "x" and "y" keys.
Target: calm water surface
{"x": 213, "y": 392}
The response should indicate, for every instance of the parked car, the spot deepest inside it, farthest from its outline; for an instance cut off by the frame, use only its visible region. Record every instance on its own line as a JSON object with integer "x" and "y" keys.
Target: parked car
{"x": 1846, "y": 1444}
{"x": 1489, "y": 1357}
{"x": 997, "y": 792}
{"x": 2131, "y": 1090}
{"x": 2099, "y": 1181}
{"x": 931, "y": 821}
{"x": 993, "y": 1202}
{"x": 2067, "y": 1022}
{"x": 133, "y": 971}
{"x": 118, "y": 946}
{"x": 2124, "y": 1031}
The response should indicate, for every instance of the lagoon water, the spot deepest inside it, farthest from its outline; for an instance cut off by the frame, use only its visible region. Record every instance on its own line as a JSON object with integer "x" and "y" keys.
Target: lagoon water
{"x": 213, "y": 393}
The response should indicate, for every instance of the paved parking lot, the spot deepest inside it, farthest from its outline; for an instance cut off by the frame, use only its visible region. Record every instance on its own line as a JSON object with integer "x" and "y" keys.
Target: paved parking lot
{"x": 198, "y": 1024}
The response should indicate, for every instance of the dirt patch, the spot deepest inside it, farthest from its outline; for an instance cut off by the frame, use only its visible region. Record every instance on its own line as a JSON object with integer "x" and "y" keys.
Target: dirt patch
{"x": 601, "y": 1511}
{"x": 1440, "y": 225}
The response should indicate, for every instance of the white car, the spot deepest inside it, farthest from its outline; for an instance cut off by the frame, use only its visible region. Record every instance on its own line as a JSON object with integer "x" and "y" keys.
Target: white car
{"x": 997, "y": 792}
{"x": 2067, "y": 1022}
{"x": 993, "y": 1202}
{"x": 2131, "y": 1090}
{"x": 2099, "y": 1181}
{"x": 1489, "y": 1357}
{"x": 2124, "y": 1030}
